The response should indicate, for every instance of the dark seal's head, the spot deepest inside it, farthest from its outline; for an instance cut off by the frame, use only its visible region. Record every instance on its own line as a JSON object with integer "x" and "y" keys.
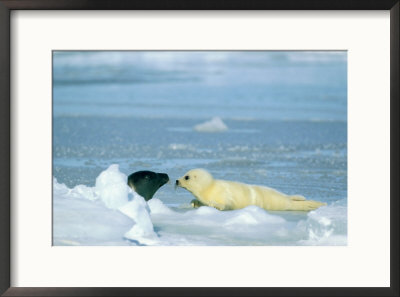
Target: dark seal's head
{"x": 146, "y": 183}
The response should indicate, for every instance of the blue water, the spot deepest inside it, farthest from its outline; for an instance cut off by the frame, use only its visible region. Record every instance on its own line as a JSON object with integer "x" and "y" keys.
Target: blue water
{"x": 286, "y": 114}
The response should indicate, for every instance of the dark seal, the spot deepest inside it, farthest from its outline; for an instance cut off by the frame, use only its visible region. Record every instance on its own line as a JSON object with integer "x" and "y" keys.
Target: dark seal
{"x": 146, "y": 183}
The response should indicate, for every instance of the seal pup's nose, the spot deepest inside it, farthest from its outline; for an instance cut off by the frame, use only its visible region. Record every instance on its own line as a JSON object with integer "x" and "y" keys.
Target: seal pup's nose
{"x": 177, "y": 183}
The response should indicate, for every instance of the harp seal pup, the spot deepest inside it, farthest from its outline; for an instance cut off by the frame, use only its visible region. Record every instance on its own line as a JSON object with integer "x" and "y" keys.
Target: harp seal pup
{"x": 146, "y": 183}
{"x": 229, "y": 195}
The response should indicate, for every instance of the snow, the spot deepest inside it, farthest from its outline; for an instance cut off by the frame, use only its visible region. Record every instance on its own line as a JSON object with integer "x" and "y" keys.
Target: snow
{"x": 112, "y": 188}
{"x": 112, "y": 214}
{"x": 143, "y": 230}
{"x": 214, "y": 125}
{"x": 104, "y": 215}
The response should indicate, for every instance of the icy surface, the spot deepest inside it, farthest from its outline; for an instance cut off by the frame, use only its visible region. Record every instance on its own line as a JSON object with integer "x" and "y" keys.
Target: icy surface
{"x": 77, "y": 220}
{"x": 88, "y": 215}
{"x": 80, "y": 219}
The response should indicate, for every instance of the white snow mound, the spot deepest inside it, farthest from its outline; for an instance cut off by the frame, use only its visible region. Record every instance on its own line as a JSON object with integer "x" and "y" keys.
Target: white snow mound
{"x": 214, "y": 125}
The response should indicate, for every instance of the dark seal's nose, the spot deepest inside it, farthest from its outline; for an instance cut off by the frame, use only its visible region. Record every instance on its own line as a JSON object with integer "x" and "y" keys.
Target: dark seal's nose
{"x": 177, "y": 183}
{"x": 165, "y": 177}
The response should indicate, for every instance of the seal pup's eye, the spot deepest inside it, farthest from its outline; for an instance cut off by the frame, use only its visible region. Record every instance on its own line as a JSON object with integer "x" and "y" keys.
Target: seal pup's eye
{"x": 186, "y": 177}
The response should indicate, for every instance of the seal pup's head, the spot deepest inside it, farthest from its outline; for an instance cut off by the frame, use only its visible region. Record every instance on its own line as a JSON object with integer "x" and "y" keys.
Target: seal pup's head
{"x": 195, "y": 181}
{"x": 146, "y": 183}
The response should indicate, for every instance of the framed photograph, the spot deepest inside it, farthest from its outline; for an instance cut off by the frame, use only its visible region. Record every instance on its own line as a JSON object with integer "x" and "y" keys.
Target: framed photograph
{"x": 199, "y": 149}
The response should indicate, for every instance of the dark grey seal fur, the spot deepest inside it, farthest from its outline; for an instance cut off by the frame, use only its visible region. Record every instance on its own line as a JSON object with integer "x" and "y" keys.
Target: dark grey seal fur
{"x": 146, "y": 183}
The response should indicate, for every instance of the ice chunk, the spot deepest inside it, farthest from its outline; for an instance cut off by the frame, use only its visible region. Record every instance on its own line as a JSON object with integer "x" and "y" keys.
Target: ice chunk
{"x": 143, "y": 230}
{"x": 214, "y": 125}
{"x": 112, "y": 188}
{"x": 327, "y": 225}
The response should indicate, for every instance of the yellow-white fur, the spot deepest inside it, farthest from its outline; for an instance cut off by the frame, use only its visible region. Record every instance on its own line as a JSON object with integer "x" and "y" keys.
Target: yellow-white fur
{"x": 227, "y": 195}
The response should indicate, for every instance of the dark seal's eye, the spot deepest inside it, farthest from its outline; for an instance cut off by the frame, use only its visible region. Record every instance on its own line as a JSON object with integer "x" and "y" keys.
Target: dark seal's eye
{"x": 187, "y": 177}
{"x": 146, "y": 177}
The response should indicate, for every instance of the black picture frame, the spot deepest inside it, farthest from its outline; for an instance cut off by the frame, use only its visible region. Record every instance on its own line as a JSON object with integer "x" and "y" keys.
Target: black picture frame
{"x": 6, "y": 6}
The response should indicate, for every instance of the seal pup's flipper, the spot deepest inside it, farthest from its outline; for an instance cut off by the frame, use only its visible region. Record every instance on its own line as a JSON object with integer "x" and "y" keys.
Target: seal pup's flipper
{"x": 196, "y": 203}
{"x": 146, "y": 183}
{"x": 297, "y": 198}
{"x": 306, "y": 205}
